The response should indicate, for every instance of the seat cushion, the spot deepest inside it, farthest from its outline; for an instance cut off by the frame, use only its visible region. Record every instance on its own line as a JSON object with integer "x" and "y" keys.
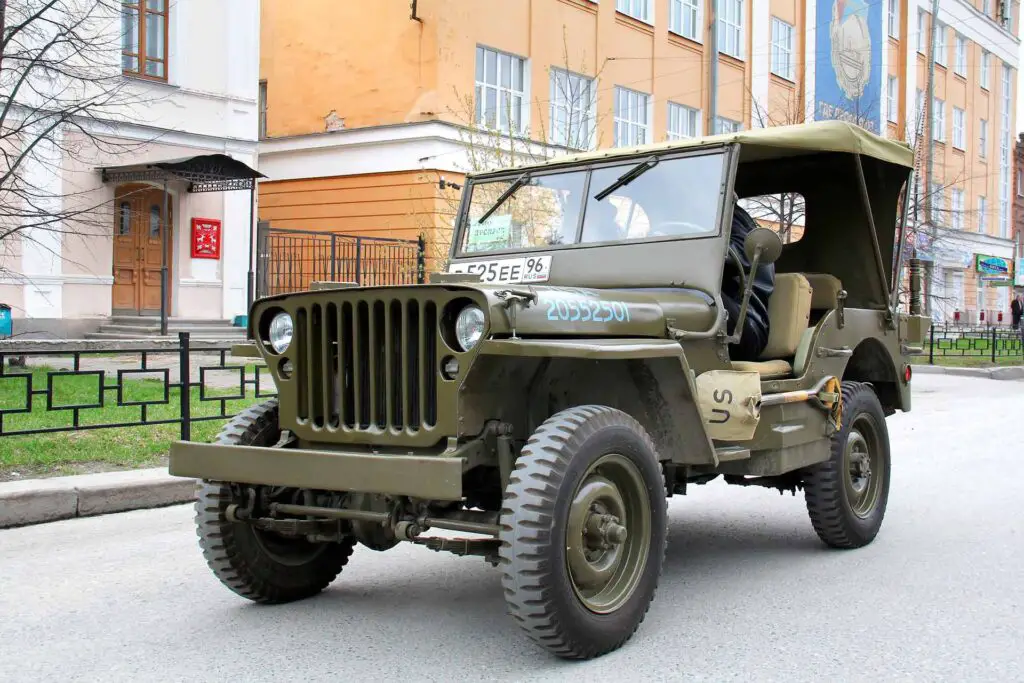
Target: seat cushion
{"x": 825, "y": 291}
{"x": 767, "y": 369}
{"x": 789, "y": 313}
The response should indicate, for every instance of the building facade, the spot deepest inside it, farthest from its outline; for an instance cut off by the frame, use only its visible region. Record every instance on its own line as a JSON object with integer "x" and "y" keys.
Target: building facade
{"x": 355, "y": 138}
{"x": 183, "y": 88}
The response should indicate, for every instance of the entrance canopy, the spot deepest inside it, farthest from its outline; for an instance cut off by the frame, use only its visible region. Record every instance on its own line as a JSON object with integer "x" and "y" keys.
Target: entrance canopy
{"x": 203, "y": 173}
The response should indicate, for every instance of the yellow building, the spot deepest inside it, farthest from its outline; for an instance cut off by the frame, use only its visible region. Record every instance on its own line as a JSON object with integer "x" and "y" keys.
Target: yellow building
{"x": 368, "y": 105}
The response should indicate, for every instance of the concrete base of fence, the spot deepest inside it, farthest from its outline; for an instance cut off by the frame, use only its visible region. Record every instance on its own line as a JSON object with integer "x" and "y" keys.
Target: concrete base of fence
{"x": 34, "y": 501}
{"x": 1010, "y": 372}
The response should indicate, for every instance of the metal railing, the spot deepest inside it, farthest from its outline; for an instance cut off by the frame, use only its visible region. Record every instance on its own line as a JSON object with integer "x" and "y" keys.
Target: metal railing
{"x": 981, "y": 342}
{"x": 289, "y": 260}
{"x": 87, "y": 386}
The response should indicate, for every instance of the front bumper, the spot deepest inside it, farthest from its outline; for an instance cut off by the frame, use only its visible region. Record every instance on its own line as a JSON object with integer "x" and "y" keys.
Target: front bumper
{"x": 427, "y": 477}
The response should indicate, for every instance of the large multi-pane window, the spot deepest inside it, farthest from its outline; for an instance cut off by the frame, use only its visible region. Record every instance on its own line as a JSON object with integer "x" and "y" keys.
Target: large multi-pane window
{"x": 982, "y": 215}
{"x": 683, "y": 121}
{"x": 724, "y": 125}
{"x": 938, "y": 120}
{"x": 982, "y": 138}
{"x": 892, "y": 98}
{"x": 940, "y": 48}
{"x": 632, "y": 123}
{"x": 638, "y": 9}
{"x": 960, "y": 56}
{"x": 957, "y": 209}
{"x": 500, "y": 94}
{"x": 893, "y": 18}
{"x": 730, "y": 27}
{"x": 938, "y": 200}
{"x": 782, "y": 49}
{"x": 144, "y": 29}
{"x": 959, "y": 128}
{"x": 983, "y": 75}
{"x": 684, "y": 18}
{"x": 572, "y": 109}
{"x": 922, "y": 35}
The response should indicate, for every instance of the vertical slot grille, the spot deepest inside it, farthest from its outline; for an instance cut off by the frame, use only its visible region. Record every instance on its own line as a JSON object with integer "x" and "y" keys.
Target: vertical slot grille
{"x": 367, "y": 364}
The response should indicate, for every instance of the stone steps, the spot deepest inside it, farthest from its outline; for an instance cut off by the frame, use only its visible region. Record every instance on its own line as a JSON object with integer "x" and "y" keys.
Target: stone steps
{"x": 128, "y": 327}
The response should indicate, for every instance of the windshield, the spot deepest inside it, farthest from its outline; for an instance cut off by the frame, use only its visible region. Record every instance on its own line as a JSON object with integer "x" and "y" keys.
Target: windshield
{"x": 647, "y": 199}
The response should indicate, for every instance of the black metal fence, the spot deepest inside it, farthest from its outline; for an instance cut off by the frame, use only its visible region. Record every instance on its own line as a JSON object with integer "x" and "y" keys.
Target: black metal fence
{"x": 74, "y": 386}
{"x": 979, "y": 342}
{"x": 289, "y": 260}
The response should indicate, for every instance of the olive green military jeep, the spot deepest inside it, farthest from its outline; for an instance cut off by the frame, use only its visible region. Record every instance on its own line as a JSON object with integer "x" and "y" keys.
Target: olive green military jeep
{"x": 570, "y": 372}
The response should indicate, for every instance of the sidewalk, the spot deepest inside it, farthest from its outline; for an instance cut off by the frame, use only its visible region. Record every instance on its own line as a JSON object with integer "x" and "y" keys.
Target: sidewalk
{"x": 1006, "y": 372}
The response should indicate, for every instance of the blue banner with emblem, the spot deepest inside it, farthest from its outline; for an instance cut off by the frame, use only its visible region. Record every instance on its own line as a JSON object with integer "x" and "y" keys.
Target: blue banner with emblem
{"x": 848, "y": 64}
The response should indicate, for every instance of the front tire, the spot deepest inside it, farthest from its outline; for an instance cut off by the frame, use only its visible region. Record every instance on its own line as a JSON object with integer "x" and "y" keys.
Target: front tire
{"x": 847, "y": 494}
{"x": 583, "y": 532}
{"x": 259, "y": 565}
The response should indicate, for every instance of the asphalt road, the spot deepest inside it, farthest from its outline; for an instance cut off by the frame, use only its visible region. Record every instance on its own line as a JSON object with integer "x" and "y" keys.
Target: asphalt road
{"x": 748, "y": 591}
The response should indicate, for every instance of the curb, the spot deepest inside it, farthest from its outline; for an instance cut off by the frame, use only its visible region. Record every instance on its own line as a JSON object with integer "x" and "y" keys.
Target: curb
{"x": 34, "y": 501}
{"x": 1009, "y": 372}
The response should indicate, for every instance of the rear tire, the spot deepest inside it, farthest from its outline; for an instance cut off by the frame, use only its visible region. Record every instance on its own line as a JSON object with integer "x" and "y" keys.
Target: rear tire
{"x": 583, "y": 532}
{"x": 847, "y": 494}
{"x": 259, "y": 565}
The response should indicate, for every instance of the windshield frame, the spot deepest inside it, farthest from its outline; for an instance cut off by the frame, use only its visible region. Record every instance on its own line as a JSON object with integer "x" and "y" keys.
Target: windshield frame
{"x": 729, "y": 152}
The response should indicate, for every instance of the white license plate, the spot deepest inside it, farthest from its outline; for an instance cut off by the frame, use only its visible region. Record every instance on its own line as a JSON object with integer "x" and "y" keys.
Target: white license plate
{"x": 510, "y": 270}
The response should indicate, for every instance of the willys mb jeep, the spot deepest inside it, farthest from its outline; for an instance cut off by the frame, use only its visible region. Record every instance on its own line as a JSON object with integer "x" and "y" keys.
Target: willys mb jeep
{"x": 571, "y": 371}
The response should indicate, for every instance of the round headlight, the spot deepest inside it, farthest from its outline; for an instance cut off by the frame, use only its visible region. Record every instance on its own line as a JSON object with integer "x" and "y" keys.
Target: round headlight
{"x": 281, "y": 332}
{"x": 469, "y": 326}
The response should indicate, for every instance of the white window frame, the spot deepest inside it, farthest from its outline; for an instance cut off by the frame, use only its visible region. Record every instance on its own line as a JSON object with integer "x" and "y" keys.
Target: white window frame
{"x": 731, "y": 26}
{"x": 985, "y": 60}
{"x": 782, "y": 49}
{"x": 573, "y": 97}
{"x": 680, "y": 117}
{"x": 922, "y": 40}
{"x": 957, "y": 209}
{"x": 724, "y": 125}
{"x": 517, "y": 98}
{"x": 982, "y": 138}
{"x": 623, "y": 123}
{"x": 938, "y": 120}
{"x": 893, "y": 18}
{"x": 940, "y": 50}
{"x": 891, "y": 98}
{"x": 1020, "y": 183}
{"x": 960, "y": 55}
{"x": 641, "y": 10}
{"x": 938, "y": 203}
{"x": 982, "y": 214}
{"x": 681, "y": 10}
{"x": 959, "y": 128}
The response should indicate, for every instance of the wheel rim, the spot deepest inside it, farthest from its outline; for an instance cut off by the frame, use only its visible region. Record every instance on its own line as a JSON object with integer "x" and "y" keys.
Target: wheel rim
{"x": 293, "y": 552}
{"x": 862, "y": 458}
{"x": 608, "y": 533}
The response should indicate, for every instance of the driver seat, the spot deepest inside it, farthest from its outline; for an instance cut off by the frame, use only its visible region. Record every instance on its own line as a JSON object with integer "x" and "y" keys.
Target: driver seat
{"x": 789, "y": 314}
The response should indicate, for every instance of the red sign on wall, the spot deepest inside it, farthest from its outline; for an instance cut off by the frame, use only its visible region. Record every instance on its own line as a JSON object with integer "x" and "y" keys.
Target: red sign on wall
{"x": 205, "y": 238}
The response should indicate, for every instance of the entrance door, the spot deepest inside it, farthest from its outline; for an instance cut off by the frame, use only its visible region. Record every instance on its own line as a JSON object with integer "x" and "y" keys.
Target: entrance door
{"x": 138, "y": 238}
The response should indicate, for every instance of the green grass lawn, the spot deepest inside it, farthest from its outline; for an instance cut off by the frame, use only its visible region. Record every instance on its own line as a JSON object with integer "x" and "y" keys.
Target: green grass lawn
{"x": 974, "y": 352}
{"x": 91, "y": 450}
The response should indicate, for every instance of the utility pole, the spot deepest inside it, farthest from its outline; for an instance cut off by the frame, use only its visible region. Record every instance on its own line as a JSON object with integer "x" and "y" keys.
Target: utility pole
{"x": 713, "y": 66}
{"x": 930, "y": 160}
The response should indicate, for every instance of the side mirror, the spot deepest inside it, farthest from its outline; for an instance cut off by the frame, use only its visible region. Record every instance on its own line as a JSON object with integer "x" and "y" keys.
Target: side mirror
{"x": 763, "y": 242}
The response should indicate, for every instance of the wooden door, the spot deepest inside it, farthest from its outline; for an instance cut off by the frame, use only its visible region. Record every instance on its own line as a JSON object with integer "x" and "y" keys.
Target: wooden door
{"x": 138, "y": 239}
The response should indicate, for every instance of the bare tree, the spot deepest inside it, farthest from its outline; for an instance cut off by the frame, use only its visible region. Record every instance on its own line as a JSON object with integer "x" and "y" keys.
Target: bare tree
{"x": 62, "y": 93}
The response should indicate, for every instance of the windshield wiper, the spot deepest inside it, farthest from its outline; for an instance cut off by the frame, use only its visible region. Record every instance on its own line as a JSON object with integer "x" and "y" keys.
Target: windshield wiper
{"x": 628, "y": 177}
{"x": 516, "y": 184}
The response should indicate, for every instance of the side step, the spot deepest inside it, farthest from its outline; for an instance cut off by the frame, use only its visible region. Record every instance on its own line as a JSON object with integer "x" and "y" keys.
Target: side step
{"x": 730, "y": 453}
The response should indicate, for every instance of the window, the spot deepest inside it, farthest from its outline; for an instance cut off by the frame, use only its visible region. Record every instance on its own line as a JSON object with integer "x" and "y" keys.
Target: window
{"x": 891, "y": 98}
{"x": 684, "y": 18}
{"x": 638, "y": 9}
{"x": 683, "y": 122}
{"x": 782, "y": 49}
{"x": 125, "y": 224}
{"x": 1020, "y": 179}
{"x": 499, "y": 90}
{"x": 982, "y": 215}
{"x": 920, "y": 112}
{"x": 983, "y": 78}
{"x": 986, "y": 7}
{"x": 960, "y": 58}
{"x": 724, "y": 125}
{"x": 982, "y": 138}
{"x": 922, "y": 36}
{"x": 730, "y": 27}
{"x": 894, "y": 18}
{"x": 959, "y": 125}
{"x": 144, "y": 38}
{"x": 632, "y": 123}
{"x": 940, "y": 48}
{"x": 263, "y": 110}
{"x": 938, "y": 201}
{"x": 938, "y": 120}
{"x": 572, "y": 109}
{"x": 957, "y": 208}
